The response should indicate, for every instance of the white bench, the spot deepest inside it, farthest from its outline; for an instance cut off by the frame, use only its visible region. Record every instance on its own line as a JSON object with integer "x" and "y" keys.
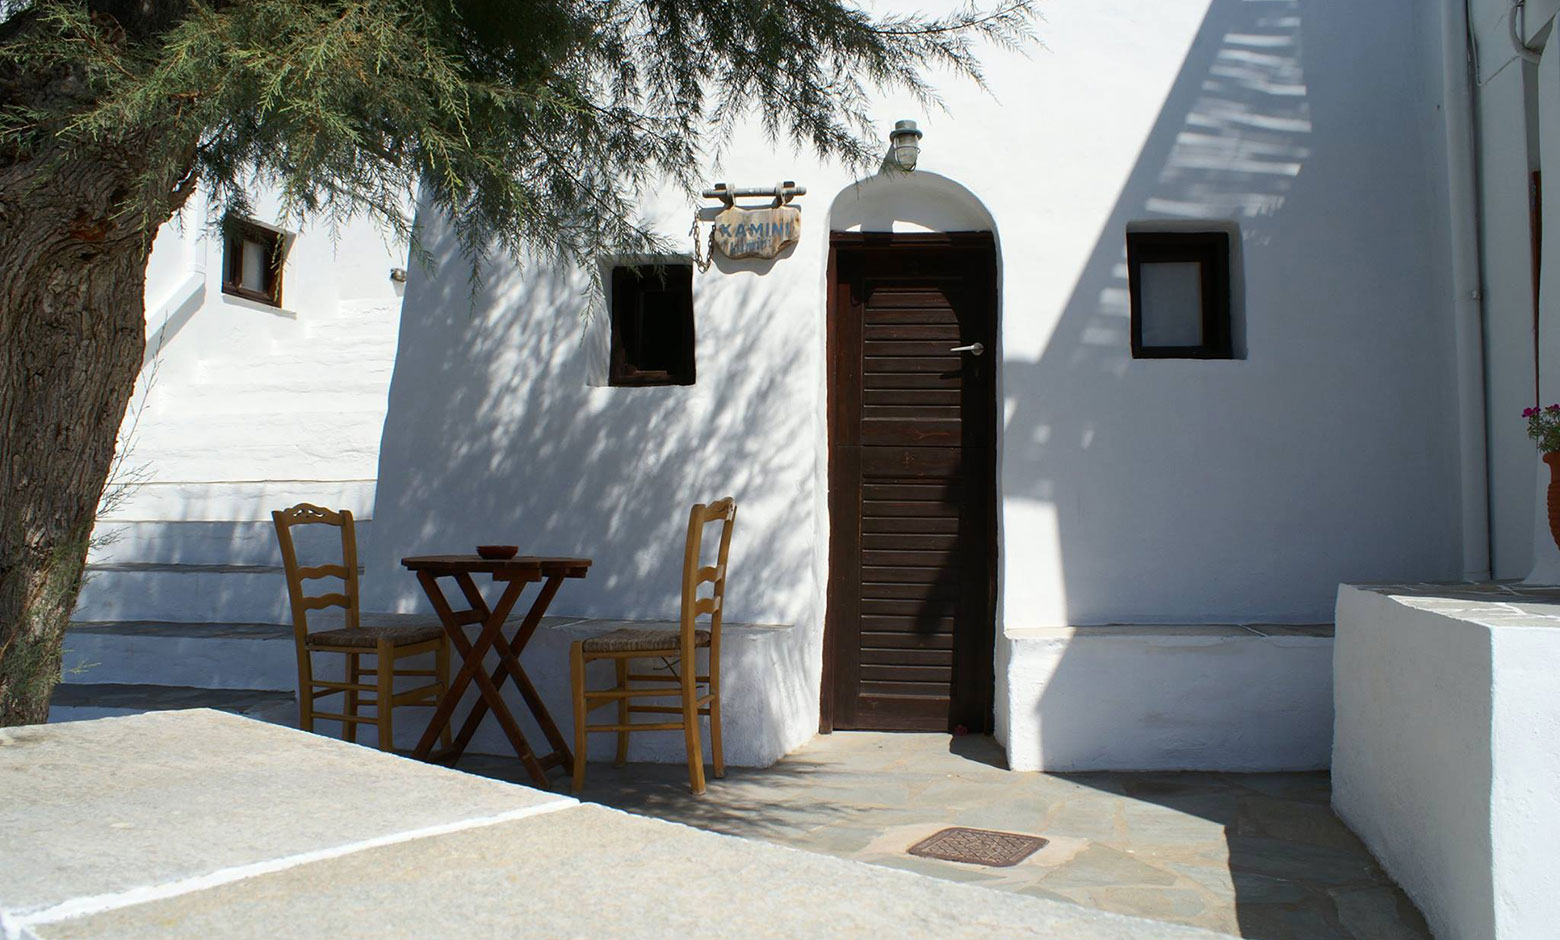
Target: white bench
{"x": 114, "y": 669}
{"x": 1224, "y": 697}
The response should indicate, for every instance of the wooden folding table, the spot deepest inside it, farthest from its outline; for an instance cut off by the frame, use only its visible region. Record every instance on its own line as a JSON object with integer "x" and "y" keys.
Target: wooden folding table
{"x": 514, "y": 574}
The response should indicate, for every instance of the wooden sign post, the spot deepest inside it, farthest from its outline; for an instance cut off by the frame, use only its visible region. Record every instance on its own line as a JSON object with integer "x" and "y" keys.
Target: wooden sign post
{"x": 761, "y": 232}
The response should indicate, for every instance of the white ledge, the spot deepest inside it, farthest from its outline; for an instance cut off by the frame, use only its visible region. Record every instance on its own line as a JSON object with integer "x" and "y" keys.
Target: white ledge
{"x": 1494, "y": 605}
{"x": 1166, "y": 630}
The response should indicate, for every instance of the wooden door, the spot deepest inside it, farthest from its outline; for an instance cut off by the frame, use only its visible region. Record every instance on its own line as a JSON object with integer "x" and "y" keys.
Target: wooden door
{"x": 912, "y": 489}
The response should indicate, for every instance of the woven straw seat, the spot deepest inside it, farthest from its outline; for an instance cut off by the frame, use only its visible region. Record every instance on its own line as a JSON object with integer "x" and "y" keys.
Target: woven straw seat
{"x": 639, "y": 640}
{"x": 369, "y": 637}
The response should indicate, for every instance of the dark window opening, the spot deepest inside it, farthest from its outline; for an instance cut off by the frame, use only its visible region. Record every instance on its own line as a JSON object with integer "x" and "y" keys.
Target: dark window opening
{"x": 252, "y": 261}
{"x": 1180, "y": 289}
{"x": 652, "y": 325}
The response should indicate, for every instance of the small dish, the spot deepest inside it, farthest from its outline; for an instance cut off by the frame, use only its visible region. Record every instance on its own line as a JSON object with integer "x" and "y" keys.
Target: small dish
{"x": 497, "y": 552}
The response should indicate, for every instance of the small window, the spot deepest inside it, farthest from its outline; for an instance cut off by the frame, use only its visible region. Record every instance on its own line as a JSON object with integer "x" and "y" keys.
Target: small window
{"x": 1180, "y": 285}
{"x": 252, "y": 261}
{"x": 652, "y": 325}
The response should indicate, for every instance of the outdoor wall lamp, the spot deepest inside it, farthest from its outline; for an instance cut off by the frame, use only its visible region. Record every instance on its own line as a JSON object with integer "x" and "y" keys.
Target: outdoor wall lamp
{"x": 905, "y": 142}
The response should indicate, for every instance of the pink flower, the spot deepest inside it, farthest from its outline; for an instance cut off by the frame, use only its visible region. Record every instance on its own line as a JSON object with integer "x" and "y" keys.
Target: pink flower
{"x": 1552, "y": 409}
{"x": 1529, "y": 412}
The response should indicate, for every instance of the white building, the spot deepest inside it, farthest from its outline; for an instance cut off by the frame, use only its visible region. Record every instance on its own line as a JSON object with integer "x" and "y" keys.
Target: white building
{"x": 1177, "y": 499}
{"x": 1136, "y": 558}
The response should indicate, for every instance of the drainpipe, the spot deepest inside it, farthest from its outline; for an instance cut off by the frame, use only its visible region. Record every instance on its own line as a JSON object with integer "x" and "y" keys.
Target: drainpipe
{"x": 1516, "y": 18}
{"x": 1468, "y": 308}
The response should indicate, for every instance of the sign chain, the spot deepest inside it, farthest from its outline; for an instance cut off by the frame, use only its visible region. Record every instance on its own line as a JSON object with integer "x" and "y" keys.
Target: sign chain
{"x": 703, "y": 256}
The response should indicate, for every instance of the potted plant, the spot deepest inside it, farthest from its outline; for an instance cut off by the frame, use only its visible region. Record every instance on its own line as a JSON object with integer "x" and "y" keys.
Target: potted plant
{"x": 1544, "y": 429}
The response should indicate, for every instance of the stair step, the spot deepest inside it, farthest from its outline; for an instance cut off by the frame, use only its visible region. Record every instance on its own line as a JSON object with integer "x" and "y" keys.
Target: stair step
{"x": 274, "y": 446}
{"x": 184, "y": 593}
{"x": 83, "y": 701}
{"x": 232, "y": 501}
{"x": 168, "y": 628}
{"x": 247, "y": 656}
{"x": 184, "y": 568}
{"x": 345, "y": 368}
{"x": 348, "y": 456}
{"x": 358, "y": 396}
{"x": 199, "y": 543}
{"x": 358, "y": 318}
{"x": 216, "y": 655}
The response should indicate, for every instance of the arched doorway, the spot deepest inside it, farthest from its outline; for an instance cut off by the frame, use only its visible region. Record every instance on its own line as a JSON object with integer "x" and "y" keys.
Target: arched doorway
{"x": 912, "y": 329}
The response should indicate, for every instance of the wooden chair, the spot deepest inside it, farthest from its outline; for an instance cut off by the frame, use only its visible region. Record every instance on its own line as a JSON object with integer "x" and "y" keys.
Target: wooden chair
{"x": 387, "y": 644}
{"x": 625, "y": 645}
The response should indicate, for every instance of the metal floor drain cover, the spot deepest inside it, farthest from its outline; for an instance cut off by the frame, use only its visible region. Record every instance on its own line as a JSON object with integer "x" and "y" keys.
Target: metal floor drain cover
{"x": 978, "y": 847}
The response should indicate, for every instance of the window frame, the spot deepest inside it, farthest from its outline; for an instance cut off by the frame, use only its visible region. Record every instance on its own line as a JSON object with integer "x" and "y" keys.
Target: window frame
{"x": 235, "y": 232}
{"x": 630, "y": 282}
{"x": 1211, "y": 252}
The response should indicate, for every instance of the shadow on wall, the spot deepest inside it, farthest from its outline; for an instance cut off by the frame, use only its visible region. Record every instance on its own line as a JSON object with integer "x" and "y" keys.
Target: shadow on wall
{"x": 495, "y": 436}
{"x": 1248, "y": 488}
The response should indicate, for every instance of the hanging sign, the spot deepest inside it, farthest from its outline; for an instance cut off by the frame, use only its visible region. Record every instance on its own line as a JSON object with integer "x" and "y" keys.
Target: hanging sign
{"x": 756, "y": 233}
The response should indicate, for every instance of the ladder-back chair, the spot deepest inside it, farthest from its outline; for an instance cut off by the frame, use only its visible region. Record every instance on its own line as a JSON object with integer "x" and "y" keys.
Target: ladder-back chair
{"x": 387, "y": 644}
{"x": 682, "y": 680}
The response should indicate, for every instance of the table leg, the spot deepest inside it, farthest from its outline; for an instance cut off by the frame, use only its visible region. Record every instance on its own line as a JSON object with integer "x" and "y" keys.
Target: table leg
{"x": 492, "y": 698}
{"x": 471, "y": 661}
{"x": 506, "y": 720}
{"x": 509, "y": 665}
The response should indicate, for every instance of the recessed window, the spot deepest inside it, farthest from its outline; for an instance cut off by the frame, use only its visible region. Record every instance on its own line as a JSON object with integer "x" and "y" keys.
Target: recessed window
{"x": 652, "y": 325}
{"x": 252, "y": 261}
{"x": 1180, "y": 285}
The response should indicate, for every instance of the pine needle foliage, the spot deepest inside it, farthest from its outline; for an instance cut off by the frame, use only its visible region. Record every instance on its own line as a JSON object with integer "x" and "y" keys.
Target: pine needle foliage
{"x": 534, "y": 124}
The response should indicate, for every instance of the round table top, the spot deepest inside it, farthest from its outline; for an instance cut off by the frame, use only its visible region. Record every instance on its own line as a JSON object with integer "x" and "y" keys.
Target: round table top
{"x": 549, "y": 565}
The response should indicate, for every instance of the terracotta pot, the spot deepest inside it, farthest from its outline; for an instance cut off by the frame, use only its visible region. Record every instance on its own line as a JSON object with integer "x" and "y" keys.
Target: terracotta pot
{"x": 1553, "y": 459}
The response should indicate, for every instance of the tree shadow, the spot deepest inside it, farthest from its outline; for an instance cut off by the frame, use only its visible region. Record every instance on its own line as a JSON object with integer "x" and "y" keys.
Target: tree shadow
{"x": 495, "y": 435}
{"x": 499, "y": 431}
{"x": 1296, "y": 870}
{"x": 1245, "y": 490}
{"x": 1250, "y": 488}
{"x": 752, "y": 802}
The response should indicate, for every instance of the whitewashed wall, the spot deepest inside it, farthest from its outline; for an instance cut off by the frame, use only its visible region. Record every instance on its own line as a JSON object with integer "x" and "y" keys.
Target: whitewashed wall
{"x": 243, "y": 408}
{"x": 1508, "y": 151}
{"x": 1447, "y": 745}
{"x": 1136, "y": 491}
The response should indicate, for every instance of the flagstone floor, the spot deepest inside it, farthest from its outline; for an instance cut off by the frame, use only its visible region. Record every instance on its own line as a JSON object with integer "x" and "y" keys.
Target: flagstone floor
{"x": 1254, "y": 855}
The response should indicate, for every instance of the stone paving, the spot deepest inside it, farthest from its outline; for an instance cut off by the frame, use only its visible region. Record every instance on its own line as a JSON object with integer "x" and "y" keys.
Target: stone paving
{"x": 1254, "y": 855}
{"x": 188, "y": 825}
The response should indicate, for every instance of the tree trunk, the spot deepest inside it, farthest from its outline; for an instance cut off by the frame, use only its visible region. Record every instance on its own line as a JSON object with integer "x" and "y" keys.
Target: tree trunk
{"x": 72, "y": 332}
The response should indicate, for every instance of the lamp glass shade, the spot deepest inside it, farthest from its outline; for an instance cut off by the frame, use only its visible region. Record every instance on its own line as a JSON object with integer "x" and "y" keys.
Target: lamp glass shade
{"x": 905, "y": 143}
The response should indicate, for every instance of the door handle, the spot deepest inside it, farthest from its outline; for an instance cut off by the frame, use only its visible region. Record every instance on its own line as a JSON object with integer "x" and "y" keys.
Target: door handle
{"x": 974, "y": 349}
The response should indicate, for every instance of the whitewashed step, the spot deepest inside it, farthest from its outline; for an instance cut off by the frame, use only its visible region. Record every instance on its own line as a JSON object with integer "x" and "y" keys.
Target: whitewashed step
{"x": 314, "y": 460}
{"x": 210, "y": 543}
{"x": 345, "y": 366}
{"x": 246, "y": 379}
{"x": 296, "y": 446}
{"x": 369, "y": 396}
{"x": 252, "y": 656}
{"x": 344, "y": 330}
{"x": 203, "y": 655}
{"x": 184, "y": 593}
{"x": 252, "y": 501}
{"x": 84, "y": 702}
{"x": 269, "y": 426}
